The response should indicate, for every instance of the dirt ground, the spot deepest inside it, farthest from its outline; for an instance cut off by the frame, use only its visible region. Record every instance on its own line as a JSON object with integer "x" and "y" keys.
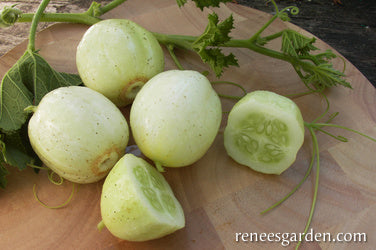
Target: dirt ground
{"x": 11, "y": 36}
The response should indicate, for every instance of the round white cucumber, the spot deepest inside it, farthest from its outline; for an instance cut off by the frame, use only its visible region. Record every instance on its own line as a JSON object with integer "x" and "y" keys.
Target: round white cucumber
{"x": 116, "y": 57}
{"x": 78, "y": 133}
{"x": 175, "y": 117}
{"x": 264, "y": 132}
{"x": 137, "y": 203}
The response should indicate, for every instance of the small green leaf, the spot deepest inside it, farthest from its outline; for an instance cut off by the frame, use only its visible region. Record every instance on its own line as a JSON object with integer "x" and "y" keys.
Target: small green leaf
{"x": 294, "y": 43}
{"x": 217, "y": 60}
{"x": 215, "y": 35}
{"x": 325, "y": 74}
{"x": 325, "y": 57}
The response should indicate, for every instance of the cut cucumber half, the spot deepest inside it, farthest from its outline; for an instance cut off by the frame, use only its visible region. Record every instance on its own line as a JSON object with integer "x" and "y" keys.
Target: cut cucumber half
{"x": 137, "y": 203}
{"x": 264, "y": 132}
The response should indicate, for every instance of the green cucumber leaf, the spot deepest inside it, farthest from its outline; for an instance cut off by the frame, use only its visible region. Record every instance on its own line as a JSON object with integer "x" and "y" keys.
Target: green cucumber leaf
{"x": 215, "y": 35}
{"x": 294, "y": 43}
{"x": 324, "y": 74}
{"x": 217, "y": 60}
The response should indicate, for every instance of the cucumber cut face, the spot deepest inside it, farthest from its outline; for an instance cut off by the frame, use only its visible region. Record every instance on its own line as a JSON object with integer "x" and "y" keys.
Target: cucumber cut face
{"x": 137, "y": 203}
{"x": 264, "y": 132}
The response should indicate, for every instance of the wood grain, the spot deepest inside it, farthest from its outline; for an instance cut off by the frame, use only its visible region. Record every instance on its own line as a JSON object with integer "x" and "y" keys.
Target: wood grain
{"x": 219, "y": 197}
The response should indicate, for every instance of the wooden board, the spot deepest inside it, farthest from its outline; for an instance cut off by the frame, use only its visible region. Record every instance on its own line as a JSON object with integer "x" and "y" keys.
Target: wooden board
{"x": 220, "y": 198}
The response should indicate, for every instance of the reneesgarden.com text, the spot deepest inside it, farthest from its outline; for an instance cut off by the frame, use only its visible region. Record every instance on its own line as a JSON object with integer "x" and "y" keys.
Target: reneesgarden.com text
{"x": 286, "y": 238}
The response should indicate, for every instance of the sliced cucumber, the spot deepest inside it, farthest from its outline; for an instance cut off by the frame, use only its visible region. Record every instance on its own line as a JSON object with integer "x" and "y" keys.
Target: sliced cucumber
{"x": 264, "y": 132}
{"x": 137, "y": 203}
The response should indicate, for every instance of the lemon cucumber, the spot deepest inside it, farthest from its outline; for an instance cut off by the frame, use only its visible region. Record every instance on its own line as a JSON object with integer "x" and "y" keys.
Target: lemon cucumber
{"x": 78, "y": 133}
{"x": 264, "y": 132}
{"x": 175, "y": 117}
{"x": 116, "y": 57}
{"x": 137, "y": 203}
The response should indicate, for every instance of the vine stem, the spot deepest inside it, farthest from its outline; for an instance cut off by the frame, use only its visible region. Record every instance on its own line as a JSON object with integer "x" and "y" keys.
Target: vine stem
{"x": 266, "y": 25}
{"x": 185, "y": 42}
{"x": 308, "y": 172}
{"x": 314, "y": 199}
{"x": 34, "y": 24}
{"x": 341, "y": 127}
{"x": 110, "y": 6}
{"x": 170, "y": 49}
{"x": 87, "y": 17}
{"x": 61, "y": 17}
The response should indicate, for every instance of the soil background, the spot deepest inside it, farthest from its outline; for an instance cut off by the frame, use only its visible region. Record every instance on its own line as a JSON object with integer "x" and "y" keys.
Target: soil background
{"x": 349, "y": 26}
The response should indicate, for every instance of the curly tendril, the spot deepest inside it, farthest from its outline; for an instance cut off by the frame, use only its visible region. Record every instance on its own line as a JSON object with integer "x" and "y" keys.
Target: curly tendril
{"x": 58, "y": 206}
{"x": 293, "y": 10}
{"x": 52, "y": 178}
{"x": 51, "y": 175}
{"x": 9, "y": 16}
{"x": 233, "y": 84}
{"x": 283, "y": 14}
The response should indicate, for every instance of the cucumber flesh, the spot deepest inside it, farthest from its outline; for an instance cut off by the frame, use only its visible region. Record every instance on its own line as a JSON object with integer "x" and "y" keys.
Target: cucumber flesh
{"x": 264, "y": 132}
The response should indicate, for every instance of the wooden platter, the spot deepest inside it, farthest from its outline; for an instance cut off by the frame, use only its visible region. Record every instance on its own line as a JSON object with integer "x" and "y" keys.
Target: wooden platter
{"x": 220, "y": 198}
